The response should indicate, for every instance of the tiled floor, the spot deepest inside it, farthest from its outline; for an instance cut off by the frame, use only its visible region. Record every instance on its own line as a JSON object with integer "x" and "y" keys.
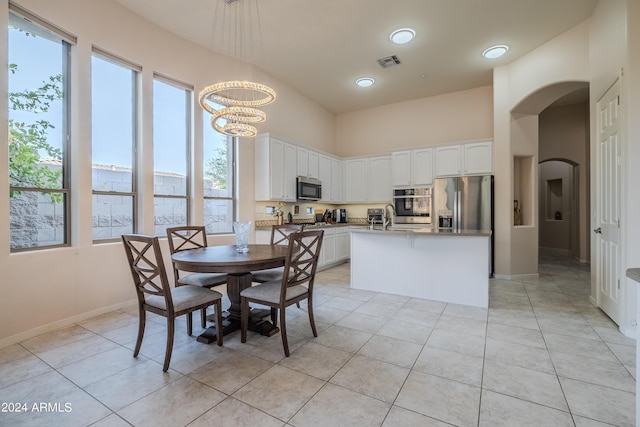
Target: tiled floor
{"x": 541, "y": 355}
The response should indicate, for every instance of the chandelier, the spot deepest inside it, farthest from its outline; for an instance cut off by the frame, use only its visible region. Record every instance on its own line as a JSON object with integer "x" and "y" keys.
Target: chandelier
{"x": 240, "y": 99}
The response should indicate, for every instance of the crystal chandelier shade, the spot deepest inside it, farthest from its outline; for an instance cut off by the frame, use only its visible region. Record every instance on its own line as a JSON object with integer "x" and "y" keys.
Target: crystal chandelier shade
{"x": 240, "y": 99}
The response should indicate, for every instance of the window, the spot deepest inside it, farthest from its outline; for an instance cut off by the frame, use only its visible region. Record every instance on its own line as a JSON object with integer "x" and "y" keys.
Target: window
{"x": 113, "y": 118}
{"x": 38, "y": 132}
{"x": 219, "y": 179}
{"x": 171, "y": 138}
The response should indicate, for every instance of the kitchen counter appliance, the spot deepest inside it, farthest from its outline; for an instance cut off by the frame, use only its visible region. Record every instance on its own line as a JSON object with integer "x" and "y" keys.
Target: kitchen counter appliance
{"x": 308, "y": 189}
{"x": 340, "y": 215}
{"x": 412, "y": 206}
{"x": 376, "y": 217}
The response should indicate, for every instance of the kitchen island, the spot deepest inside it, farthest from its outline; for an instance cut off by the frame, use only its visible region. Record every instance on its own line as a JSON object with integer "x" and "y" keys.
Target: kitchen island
{"x": 447, "y": 266}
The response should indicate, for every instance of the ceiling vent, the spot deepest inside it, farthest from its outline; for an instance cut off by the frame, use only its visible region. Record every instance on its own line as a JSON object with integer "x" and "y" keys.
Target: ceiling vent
{"x": 389, "y": 61}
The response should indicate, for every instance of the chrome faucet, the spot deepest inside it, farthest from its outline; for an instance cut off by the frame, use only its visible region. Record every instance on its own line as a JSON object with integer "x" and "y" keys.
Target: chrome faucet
{"x": 388, "y": 220}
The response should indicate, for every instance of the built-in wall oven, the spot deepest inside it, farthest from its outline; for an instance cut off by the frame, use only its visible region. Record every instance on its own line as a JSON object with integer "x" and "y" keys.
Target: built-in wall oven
{"x": 412, "y": 206}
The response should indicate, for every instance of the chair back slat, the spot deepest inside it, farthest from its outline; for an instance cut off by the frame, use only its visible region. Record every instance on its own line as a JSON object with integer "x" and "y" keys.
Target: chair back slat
{"x": 302, "y": 259}
{"x": 147, "y": 267}
{"x": 280, "y": 233}
{"x": 188, "y": 237}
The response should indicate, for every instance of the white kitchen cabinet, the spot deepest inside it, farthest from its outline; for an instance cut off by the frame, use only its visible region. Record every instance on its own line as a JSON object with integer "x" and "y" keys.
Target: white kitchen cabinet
{"x": 307, "y": 163}
{"x": 448, "y": 160}
{"x": 478, "y": 158}
{"x": 368, "y": 180}
{"x": 275, "y": 169}
{"x": 379, "y": 182}
{"x": 337, "y": 183}
{"x": 412, "y": 168}
{"x": 343, "y": 238}
{"x": 356, "y": 180}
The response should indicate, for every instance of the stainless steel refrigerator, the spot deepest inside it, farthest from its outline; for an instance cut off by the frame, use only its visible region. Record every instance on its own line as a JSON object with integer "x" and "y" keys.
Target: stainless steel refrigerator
{"x": 464, "y": 203}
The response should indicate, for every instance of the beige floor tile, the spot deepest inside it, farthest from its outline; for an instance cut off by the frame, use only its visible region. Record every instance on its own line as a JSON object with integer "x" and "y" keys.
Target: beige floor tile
{"x": 280, "y": 392}
{"x": 451, "y": 365}
{"x": 74, "y": 409}
{"x": 533, "y": 386}
{"x": 399, "y": 417}
{"x": 391, "y": 350}
{"x": 267, "y": 348}
{"x": 377, "y": 309}
{"x": 345, "y": 339}
{"x": 411, "y": 332}
{"x": 316, "y": 360}
{"x": 362, "y": 322}
{"x": 110, "y": 362}
{"x": 472, "y": 345}
{"x": 607, "y": 374}
{"x": 390, "y": 299}
{"x": 17, "y": 364}
{"x": 416, "y": 317}
{"x": 140, "y": 380}
{"x": 112, "y": 420}
{"x": 498, "y": 410}
{"x": 426, "y": 305}
{"x": 327, "y": 314}
{"x": 359, "y": 294}
{"x": 109, "y": 321}
{"x": 625, "y": 354}
{"x": 230, "y": 370}
{"x": 371, "y": 377}
{"x": 514, "y": 334}
{"x": 340, "y": 303}
{"x": 600, "y": 403}
{"x": 233, "y": 413}
{"x": 462, "y": 325}
{"x": 468, "y": 312}
{"x": 176, "y": 404}
{"x": 587, "y": 422}
{"x": 519, "y": 355}
{"x": 336, "y": 406}
{"x": 75, "y": 351}
{"x": 439, "y": 398}
{"x": 154, "y": 342}
{"x": 594, "y": 349}
{"x": 58, "y": 338}
{"x": 47, "y": 387}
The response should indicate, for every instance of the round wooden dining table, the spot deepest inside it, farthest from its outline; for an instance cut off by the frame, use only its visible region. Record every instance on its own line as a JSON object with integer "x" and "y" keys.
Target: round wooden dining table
{"x": 238, "y": 267}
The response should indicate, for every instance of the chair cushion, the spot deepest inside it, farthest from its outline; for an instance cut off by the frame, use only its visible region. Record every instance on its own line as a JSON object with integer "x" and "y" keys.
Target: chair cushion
{"x": 185, "y": 297}
{"x": 205, "y": 280}
{"x": 270, "y": 292}
{"x": 268, "y": 275}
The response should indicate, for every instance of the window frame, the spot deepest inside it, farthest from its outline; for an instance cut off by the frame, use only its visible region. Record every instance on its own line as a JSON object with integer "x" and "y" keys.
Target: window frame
{"x": 66, "y": 42}
{"x": 189, "y": 96}
{"x": 136, "y": 71}
{"x": 232, "y": 142}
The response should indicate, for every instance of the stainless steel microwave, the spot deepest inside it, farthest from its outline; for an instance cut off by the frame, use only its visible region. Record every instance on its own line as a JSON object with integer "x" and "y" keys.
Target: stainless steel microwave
{"x": 412, "y": 206}
{"x": 308, "y": 188}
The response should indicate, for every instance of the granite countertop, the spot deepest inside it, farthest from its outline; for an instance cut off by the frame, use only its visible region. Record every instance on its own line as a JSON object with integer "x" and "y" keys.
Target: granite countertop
{"x": 426, "y": 231}
{"x": 634, "y": 274}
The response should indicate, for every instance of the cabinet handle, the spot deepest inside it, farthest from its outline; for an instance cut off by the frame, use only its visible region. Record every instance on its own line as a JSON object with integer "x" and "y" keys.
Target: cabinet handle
{"x": 598, "y": 230}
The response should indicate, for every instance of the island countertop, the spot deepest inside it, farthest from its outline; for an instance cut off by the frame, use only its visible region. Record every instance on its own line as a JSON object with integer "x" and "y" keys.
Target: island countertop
{"x": 425, "y": 230}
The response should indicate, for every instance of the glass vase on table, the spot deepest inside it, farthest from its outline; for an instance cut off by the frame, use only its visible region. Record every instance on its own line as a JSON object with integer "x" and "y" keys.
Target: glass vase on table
{"x": 241, "y": 229}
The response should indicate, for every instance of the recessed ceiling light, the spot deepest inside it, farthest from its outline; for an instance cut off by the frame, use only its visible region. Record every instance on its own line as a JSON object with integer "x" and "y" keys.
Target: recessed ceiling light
{"x": 495, "y": 51}
{"x": 402, "y": 35}
{"x": 365, "y": 82}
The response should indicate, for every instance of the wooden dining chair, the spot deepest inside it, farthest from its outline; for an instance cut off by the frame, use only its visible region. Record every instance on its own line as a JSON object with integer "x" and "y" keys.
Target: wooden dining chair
{"x": 295, "y": 285}
{"x": 155, "y": 295}
{"x": 279, "y": 236}
{"x": 192, "y": 237}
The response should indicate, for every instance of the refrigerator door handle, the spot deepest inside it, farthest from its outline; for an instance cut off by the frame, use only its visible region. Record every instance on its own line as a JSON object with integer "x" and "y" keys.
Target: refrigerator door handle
{"x": 456, "y": 211}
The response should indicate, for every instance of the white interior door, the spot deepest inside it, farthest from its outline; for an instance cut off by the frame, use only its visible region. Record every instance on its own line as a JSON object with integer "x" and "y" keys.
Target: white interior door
{"x": 607, "y": 230}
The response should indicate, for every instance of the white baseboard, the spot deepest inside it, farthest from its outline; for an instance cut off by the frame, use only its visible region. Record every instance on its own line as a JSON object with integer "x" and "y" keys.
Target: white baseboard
{"x": 22, "y": 336}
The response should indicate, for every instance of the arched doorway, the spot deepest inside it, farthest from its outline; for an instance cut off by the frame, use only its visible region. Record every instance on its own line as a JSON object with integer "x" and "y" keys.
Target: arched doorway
{"x": 558, "y": 206}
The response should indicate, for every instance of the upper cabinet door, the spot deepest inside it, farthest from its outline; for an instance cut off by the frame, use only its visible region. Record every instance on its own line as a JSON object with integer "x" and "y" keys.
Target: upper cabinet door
{"x": 448, "y": 161}
{"x": 355, "y": 171}
{"x": 314, "y": 171}
{"x": 380, "y": 180}
{"x": 422, "y": 167}
{"x": 478, "y": 158}
{"x": 337, "y": 183}
{"x": 401, "y": 168}
{"x": 303, "y": 161}
{"x": 325, "y": 176}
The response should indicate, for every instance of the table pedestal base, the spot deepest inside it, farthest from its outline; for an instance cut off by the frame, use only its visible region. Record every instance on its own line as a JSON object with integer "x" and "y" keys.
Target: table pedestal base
{"x": 236, "y": 283}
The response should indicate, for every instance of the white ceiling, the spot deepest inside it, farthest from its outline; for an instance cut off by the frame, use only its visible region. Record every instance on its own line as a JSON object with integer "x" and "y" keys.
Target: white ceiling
{"x": 320, "y": 47}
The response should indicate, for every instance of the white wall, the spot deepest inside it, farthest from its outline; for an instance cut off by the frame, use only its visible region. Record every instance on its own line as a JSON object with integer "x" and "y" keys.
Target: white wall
{"x": 457, "y": 116}
{"x": 61, "y": 285}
